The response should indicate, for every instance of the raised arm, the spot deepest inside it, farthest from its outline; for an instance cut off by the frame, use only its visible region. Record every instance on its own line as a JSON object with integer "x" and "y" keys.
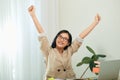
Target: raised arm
{"x": 91, "y": 27}
{"x": 31, "y": 10}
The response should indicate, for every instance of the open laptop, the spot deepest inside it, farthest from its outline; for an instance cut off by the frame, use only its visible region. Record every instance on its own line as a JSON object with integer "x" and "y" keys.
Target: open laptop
{"x": 109, "y": 70}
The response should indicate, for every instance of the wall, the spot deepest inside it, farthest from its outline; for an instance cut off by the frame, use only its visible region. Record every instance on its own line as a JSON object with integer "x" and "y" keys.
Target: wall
{"x": 76, "y": 15}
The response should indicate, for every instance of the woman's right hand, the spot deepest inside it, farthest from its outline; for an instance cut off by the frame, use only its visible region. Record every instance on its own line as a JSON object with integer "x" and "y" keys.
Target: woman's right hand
{"x": 31, "y": 10}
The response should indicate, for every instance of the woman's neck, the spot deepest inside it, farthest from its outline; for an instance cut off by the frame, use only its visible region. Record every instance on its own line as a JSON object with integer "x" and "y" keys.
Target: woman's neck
{"x": 60, "y": 50}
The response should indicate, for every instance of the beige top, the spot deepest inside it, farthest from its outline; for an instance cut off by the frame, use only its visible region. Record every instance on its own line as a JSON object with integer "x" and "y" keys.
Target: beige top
{"x": 59, "y": 66}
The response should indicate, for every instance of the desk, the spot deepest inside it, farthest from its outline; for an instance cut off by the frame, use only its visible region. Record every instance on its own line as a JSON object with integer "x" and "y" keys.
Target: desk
{"x": 87, "y": 79}
{"x": 78, "y": 79}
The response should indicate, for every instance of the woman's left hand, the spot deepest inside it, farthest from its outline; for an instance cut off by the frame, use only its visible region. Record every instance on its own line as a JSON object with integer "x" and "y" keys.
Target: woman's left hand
{"x": 97, "y": 18}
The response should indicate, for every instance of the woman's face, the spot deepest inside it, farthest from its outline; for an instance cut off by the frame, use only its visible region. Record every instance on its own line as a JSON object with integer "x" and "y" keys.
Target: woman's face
{"x": 62, "y": 40}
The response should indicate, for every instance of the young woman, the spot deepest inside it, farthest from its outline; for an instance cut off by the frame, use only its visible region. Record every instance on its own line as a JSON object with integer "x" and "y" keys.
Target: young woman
{"x": 58, "y": 55}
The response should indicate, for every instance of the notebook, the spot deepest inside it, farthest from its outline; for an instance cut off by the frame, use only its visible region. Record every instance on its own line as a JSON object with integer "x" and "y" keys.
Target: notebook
{"x": 109, "y": 70}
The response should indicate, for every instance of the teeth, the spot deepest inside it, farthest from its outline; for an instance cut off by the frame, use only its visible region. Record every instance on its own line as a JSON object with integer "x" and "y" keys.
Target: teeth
{"x": 60, "y": 43}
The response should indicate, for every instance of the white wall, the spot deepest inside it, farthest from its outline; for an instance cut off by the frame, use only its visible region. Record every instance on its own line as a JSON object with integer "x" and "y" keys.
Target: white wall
{"x": 76, "y": 15}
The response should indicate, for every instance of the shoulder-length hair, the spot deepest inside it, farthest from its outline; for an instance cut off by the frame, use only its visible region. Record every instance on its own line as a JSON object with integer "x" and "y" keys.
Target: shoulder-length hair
{"x": 69, "y": 41}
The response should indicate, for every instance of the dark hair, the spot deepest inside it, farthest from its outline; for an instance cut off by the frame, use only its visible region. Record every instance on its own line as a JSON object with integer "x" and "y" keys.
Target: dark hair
{"x": 69, "y": 41}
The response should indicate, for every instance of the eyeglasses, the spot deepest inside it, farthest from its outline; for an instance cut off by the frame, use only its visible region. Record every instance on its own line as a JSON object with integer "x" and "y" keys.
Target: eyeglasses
{"x": 64, "y": 38}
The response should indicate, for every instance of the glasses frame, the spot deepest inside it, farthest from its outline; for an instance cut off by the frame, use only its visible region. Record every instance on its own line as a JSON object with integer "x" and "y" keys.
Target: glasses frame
{"x": 63, "y": 38}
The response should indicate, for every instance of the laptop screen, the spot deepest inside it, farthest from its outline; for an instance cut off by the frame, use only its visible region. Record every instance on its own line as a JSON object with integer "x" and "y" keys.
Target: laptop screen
{"x": 109, "y": 70}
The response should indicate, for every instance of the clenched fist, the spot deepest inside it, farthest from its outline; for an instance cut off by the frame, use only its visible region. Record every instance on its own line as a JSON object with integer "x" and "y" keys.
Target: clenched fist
{"x": 97, "y": 18}
{"x": 31, "y": 10}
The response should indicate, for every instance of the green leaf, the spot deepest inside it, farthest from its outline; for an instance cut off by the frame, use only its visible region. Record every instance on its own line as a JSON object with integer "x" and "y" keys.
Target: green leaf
{"x": 91, "y": 65}
{"x": 79, "y": 64}
{"x": 90, "y": 49}
{"x": 101, "y": 55}
{"x": 95, "y": 57}
{"x": 86, "y": 60}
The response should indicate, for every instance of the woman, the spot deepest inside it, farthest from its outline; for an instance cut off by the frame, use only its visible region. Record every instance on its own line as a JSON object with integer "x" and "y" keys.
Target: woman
{"x": 58, "y": 55}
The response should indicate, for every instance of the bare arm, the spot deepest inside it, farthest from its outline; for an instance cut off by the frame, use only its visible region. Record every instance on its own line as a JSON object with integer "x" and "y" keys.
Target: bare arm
{"x": 31, "y": 10}
{"x": 90, "y": 28}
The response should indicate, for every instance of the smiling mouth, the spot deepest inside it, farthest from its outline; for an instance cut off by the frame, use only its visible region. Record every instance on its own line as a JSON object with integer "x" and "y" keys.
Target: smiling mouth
{"x": 60, "y": 43}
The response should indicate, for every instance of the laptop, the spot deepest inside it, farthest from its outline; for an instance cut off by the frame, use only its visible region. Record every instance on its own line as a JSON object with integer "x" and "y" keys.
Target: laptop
{"x": 109, "y": 70}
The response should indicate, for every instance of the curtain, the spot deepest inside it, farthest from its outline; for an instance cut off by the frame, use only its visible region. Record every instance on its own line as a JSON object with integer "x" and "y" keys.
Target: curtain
{"x": 20, "y": 55}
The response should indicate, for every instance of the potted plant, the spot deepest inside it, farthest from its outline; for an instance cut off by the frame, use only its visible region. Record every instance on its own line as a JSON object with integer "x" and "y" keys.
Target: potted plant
{"x": 90, "y": 60}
